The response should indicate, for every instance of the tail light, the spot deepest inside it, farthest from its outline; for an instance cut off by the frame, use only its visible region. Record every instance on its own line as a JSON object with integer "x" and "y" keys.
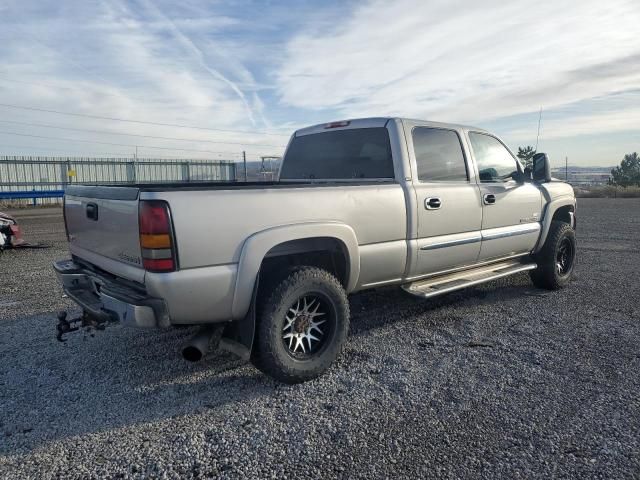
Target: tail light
{"x": 156, "y": 236}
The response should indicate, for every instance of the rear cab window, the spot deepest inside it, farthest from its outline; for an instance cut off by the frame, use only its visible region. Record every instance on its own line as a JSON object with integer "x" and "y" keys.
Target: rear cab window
{"x": 495, "y": 162}
{"x": 351, "y": 154}
{"x": 439, "y": 155}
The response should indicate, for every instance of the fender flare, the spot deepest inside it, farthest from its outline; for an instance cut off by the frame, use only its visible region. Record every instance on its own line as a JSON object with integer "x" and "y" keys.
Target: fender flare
{"x": 257, "y": 245}
{"x": 549, "y": 212}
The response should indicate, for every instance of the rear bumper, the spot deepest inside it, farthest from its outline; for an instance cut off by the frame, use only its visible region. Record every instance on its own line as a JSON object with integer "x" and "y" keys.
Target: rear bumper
{"x": 105, "y": 299}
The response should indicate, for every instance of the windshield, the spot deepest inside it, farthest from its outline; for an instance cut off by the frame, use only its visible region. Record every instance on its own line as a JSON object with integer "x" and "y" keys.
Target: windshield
{"x": 363, "y": 153}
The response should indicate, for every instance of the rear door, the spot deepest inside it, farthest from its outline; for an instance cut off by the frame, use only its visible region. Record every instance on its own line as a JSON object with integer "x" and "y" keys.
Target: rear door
{"x": 511, "y": 210}
{"x": 449, "y": 209}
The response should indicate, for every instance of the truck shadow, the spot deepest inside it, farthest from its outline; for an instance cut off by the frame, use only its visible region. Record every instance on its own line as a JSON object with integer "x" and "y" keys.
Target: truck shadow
{"x": 122, "y": 377}
{"x": 375, "y": 308}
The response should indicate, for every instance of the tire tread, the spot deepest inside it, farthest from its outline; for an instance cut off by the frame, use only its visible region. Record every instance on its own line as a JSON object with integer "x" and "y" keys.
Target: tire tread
{"x": 546, "y": 276}
{"x": 265, "y": 356}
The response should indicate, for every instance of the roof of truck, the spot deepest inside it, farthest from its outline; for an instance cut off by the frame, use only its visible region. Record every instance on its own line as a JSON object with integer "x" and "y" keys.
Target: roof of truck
{"x": 372, "y": 122}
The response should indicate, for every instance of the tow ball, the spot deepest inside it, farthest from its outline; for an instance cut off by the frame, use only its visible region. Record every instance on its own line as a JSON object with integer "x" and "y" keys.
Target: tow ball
{"x": 65, "y": 326}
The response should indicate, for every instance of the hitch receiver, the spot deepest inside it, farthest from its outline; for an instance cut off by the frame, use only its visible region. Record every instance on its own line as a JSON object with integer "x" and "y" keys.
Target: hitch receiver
{"x": 65, "y": 326}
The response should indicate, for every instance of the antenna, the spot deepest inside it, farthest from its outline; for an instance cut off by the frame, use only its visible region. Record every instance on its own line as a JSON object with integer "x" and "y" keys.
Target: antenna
{"x": 538, "y": 135}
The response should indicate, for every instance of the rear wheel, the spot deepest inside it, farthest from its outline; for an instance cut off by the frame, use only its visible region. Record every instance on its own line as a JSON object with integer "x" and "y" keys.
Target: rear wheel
{"x": 556, "y": 260}
{"x": 302, "y": 324}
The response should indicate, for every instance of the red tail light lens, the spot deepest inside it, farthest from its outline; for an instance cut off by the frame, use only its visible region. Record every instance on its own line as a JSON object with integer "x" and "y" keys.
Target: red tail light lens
{"x": 154, "y": 217}
{"x": 158, "y": 265}
{"x": 156, "y": 239}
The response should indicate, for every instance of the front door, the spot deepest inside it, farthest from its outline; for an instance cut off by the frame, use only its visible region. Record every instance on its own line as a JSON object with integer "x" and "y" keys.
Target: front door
{"x": 448, "y": 199}
{"x": 511, "y": 209}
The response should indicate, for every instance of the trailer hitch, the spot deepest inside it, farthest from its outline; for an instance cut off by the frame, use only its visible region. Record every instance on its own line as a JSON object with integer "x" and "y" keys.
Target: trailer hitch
{"x": 91, "y": 322}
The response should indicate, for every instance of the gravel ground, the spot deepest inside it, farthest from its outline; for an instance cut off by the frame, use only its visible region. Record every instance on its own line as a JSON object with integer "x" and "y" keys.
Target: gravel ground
{"x": 501, "y": 380}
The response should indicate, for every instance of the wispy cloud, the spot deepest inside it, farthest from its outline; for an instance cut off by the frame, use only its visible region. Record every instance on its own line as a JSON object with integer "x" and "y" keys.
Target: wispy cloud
{"x": 128, "y": 60}
{"x": 246, "y": 65}
{"x": 464, "y": 61}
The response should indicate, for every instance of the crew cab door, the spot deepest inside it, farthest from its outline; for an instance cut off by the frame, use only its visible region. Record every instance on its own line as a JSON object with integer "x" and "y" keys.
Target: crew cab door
{"x": 511, "y": 210}
{"x": 449, "y": 212}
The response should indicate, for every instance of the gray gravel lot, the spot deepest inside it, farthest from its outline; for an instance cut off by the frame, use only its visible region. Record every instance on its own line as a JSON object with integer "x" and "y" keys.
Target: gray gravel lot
{"x": 501, "y": 380}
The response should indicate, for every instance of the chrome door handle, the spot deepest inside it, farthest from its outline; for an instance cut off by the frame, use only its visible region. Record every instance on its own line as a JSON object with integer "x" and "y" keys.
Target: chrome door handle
{"x": 432, "y": 203}
{"x": 489, "y": 198}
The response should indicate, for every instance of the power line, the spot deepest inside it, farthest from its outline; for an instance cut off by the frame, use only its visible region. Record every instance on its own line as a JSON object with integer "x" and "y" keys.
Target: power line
{"x": 115, "y": 119}
{"x": 50, "y": 85}
{"x": 141, "y": 136}
{"x": 8, "y": 146}
{"x": 83, "y": 153}
{"x": 116, "y": 144}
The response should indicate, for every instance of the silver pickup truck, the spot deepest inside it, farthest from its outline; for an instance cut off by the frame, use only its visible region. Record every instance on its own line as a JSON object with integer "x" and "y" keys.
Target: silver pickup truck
{"x": 265, "y": 268}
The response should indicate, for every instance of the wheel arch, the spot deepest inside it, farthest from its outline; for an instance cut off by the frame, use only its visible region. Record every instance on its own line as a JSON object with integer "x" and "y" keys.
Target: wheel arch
{"x": 562, "y": 209}
{"x": 292, "y": 240}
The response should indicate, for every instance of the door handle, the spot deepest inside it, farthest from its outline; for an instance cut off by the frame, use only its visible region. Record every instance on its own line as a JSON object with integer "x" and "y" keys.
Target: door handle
{"x": 92, "y": 211}
{"x": 432, "y": 203}
{"x": 489, "y": 198}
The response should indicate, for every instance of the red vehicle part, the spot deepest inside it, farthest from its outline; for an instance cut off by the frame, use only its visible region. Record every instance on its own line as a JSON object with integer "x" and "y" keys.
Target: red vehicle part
{"x": 11, "y": 234}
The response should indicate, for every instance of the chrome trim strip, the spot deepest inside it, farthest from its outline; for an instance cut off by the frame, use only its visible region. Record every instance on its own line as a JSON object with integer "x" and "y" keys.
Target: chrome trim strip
{"x": 383, "y": 282}
{"x": 452, "y": 243}
{"x": 512, "y": 233}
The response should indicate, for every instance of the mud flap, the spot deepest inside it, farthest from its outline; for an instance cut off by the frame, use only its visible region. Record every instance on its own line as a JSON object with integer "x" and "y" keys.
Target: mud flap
{"x": 237, "y": 337}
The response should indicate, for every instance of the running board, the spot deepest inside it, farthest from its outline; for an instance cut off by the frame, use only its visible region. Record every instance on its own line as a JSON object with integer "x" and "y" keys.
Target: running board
{"x": 440, "y": 285}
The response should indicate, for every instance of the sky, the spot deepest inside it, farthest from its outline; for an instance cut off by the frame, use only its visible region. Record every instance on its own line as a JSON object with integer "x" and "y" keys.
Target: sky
{"x": 246, "y": 74}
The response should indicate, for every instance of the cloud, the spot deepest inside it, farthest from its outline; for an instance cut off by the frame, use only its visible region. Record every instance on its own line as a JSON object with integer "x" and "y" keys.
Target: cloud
{"x": 279, "y": 66}
{"x": 128, "y": 60}
{"x": 585, "y": 121}
{"x": 463, "y": 61}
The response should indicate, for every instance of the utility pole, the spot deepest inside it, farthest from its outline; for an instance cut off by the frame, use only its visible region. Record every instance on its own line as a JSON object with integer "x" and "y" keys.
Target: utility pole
{"x": 566, "y": 169}
{"x": 136, "y": 154}
{"x": 244, "y": 161}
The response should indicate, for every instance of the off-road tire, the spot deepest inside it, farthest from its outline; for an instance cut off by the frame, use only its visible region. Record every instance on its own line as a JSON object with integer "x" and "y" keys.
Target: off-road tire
{"x": 270, "y": 354}
{"x": 547, "y": 275}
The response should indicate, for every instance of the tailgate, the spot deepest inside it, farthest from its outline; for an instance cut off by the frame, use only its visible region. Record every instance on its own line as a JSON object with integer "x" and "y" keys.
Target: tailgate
{"x": 104, "y": 221}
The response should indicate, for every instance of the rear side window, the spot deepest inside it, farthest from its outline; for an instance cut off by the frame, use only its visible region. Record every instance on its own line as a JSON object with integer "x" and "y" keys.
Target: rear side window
{"x": 439, "y": 156}
{"x": 339, "y": 155}
{"x": 495, "y": 163}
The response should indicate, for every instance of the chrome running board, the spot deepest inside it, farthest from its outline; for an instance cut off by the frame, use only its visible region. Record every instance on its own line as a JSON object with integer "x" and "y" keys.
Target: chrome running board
{"x": 451, "y": 282}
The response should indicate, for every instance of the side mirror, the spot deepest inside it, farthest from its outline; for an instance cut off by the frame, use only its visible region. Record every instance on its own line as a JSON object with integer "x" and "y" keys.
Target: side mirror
{"x": 541, "y": 168}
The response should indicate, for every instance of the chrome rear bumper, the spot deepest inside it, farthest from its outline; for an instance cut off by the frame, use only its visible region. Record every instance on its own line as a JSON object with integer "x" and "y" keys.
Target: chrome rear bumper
{"x": 103, "y": 298}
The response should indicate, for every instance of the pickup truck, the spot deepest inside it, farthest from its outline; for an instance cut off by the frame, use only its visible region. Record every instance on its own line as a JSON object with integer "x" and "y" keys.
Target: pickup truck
{"x": 265, "y": 268}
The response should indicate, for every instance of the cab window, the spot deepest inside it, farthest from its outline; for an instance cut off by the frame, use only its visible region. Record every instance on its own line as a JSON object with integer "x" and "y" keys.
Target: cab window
{"x": 439, "y": 156}
{"x": 495, "y": 162}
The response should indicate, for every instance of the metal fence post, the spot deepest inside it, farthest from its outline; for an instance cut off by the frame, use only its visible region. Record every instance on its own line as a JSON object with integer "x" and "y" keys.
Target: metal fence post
{"x": 185, "y": 172}
{"x": 131, "y": 172}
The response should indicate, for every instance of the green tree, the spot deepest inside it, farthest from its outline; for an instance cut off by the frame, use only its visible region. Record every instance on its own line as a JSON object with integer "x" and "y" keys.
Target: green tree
{"x": 526, "y": 155}
{"x": 628, "y": 173}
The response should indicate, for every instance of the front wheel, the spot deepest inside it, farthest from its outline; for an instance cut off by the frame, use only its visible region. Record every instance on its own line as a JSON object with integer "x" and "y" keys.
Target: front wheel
{"x": 301, "y": 326}
{"x": 557, "y": 258}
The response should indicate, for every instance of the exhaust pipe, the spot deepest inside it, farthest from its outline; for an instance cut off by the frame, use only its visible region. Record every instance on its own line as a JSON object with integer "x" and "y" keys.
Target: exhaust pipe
{"x": 201, "y": 343}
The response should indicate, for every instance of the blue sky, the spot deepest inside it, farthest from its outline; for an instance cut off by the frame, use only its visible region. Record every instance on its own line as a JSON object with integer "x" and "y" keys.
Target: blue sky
{"x": 271, "y": 67}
